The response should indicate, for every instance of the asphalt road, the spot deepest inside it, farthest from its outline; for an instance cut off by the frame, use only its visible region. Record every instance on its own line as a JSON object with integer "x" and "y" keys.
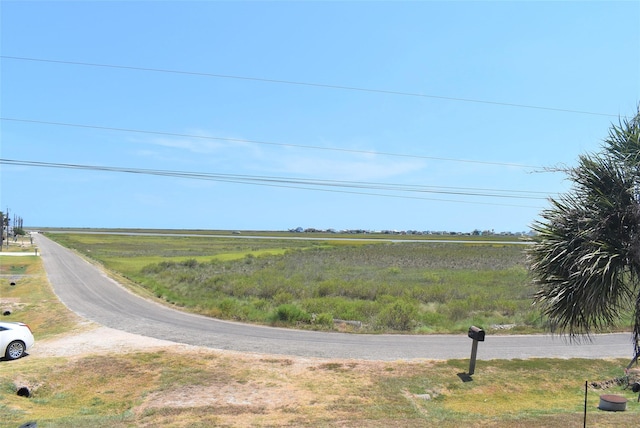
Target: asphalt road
{"x": 87, "y": 291}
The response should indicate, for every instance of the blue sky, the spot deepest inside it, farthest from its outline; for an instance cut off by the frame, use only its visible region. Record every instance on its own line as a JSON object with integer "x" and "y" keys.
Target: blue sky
{"x": 373, "y": 115}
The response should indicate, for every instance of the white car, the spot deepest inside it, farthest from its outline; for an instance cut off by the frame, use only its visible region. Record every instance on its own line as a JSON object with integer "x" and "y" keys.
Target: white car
{"x": 15, "y": 339}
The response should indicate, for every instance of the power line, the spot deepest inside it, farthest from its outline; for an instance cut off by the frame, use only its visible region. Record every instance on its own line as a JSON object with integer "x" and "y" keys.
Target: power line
{"x": 307, "y": 184}
{"x": 238, "y": 140}
{"x": 311, "y": 84}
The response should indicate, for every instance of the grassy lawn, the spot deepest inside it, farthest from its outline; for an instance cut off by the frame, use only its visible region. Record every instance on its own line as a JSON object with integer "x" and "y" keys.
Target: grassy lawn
{"x": 217, "y": 389}
{"x": 206, "y": 388}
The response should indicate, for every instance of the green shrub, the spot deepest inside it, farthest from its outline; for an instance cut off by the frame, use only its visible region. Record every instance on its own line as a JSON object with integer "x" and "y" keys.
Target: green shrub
{"x": 400, "y": 315}
{"x": 323, "y": 319}
{"x": 282, "y": 297}
{"x": 433, "y": 319}
{"x": 228, "y": 306}
{"x": 260, "y": 304}
{"x": 355, "y": 310}
{"x": 291, "y": 313}
{"x": 325, "y": 289}
{"x": 385, "y": 299}
{"x": 435, "y": 293}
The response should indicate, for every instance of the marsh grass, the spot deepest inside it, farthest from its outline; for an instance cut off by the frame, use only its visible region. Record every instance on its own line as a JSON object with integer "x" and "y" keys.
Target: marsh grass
{"x": 388, "y": 287}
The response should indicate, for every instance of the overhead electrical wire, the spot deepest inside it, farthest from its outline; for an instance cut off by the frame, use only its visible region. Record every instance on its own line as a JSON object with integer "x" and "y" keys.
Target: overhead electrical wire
{"x": 311, "y": 84}
{"x": 297, "y": 183}
{"x": 308, "y": 184}
{"x": 239, "y": 140}
{"x": 368, "y": 152}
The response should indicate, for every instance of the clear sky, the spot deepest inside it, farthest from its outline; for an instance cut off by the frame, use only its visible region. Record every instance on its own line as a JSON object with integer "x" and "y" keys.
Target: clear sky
{"x": 273, "y": 115}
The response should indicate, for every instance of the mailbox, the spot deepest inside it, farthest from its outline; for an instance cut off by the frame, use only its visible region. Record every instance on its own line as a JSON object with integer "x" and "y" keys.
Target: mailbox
{"x": 476, "y": 333}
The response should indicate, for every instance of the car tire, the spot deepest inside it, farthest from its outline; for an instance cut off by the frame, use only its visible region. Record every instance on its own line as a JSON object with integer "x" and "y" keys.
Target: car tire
{"x": 15, "y": 350}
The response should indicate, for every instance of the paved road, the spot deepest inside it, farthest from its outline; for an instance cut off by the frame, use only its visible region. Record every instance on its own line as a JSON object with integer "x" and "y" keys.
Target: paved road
{"x": 87, "y": 291}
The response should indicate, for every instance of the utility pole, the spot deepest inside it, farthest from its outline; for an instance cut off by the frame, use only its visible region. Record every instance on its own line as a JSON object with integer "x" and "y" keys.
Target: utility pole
{"x": 6, "y": 221}
{"x": 1, "y": 229}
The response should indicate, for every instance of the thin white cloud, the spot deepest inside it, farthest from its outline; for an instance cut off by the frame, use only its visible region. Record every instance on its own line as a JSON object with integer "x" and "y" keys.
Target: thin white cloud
{"x": 239, "y": 156}
{"x": 191, "y": 145}
{"x": 198, "y": 141}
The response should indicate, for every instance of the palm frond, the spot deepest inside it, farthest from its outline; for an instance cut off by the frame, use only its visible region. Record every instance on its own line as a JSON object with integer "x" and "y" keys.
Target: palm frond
{"x": 586, "y": 257}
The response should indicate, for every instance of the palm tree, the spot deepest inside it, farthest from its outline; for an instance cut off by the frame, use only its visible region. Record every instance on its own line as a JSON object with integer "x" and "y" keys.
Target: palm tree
{"x": 585, "y": 259}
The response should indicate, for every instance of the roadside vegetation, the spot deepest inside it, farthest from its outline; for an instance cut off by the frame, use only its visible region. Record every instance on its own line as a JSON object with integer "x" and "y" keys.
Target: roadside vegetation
{"x": 30, "y": 294}
{"x": 418, "y": 287}
{"x": 203, "y": 387}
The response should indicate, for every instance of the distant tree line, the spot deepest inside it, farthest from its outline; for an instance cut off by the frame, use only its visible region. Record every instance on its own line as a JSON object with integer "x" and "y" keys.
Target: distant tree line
{"x": 5, "y": 222}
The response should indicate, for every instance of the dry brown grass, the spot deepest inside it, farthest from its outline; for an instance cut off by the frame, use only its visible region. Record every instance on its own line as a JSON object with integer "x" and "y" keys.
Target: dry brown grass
{"x": 187, "y": 387}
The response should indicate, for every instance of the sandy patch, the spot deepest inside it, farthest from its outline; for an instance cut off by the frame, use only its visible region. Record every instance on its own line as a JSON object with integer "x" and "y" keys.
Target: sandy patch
{"x": 93, "y": 339}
